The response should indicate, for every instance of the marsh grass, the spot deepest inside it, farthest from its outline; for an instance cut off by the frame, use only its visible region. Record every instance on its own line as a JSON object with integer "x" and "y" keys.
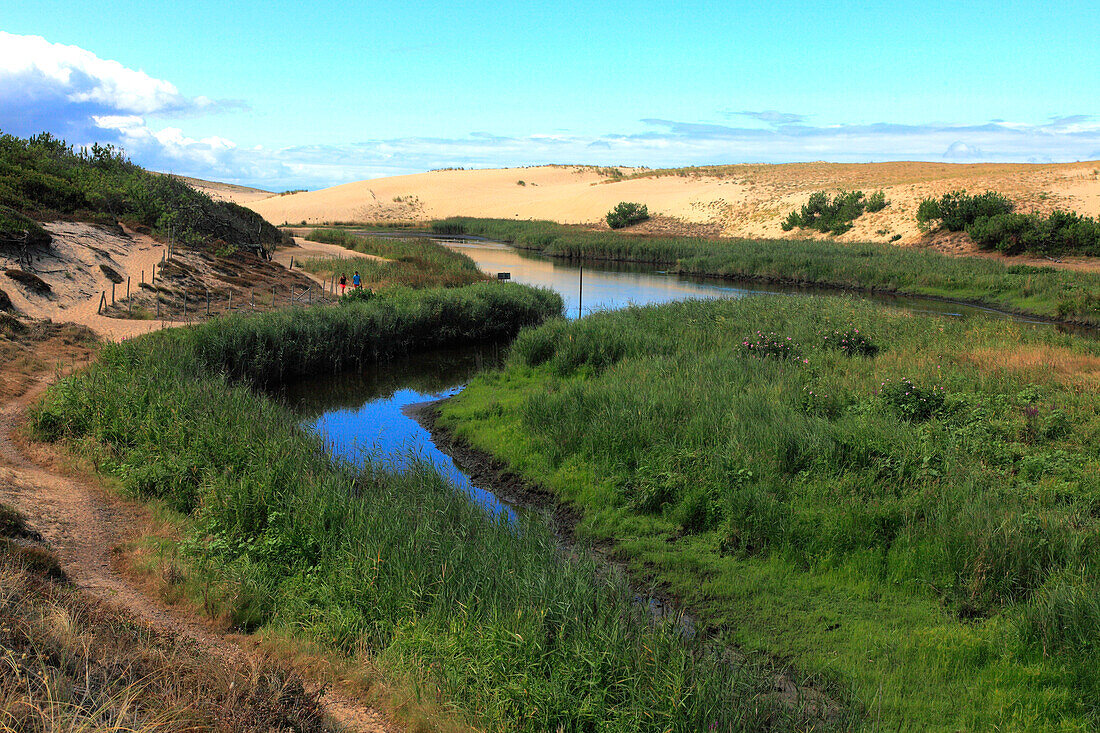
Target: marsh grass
{"x": 1061, "y": 294}
{"x": 412, "y": 262}
{"x": 401, "y": 567}
{"x": 916, "y": 520}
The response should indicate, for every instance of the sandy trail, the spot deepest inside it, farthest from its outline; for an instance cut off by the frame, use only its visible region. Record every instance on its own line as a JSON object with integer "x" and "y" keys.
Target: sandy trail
{"x": 83, "y": 524}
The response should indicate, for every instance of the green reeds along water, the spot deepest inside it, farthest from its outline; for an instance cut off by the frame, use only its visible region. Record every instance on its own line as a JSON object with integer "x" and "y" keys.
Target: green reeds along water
{"x": 491, "y": 619}
{"x": 903, "y": 505}
{"x": 412, "y": 262}
{"x": 1042, "y": 291}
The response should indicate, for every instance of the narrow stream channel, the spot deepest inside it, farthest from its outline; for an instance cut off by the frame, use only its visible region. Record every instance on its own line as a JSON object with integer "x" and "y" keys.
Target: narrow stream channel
{"x": 365, "y": 415}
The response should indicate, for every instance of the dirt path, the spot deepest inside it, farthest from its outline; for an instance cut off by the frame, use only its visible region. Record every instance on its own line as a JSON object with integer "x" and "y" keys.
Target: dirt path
{"x": 83, "y": 524}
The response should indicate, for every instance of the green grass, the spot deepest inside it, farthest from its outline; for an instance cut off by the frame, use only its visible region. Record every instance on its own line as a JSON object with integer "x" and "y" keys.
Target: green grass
{"x": 44, "y": 178}
{"x": 492, "y": 620}
{"x": 412, "y": 262}
{"x": 1046, "y": 292}
{"x": 930, "y": 545}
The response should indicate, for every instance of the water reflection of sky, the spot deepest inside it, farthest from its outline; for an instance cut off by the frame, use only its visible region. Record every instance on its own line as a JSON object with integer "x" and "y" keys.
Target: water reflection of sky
{"x": 379, "y": 430}
{"x": 362, "y": 415}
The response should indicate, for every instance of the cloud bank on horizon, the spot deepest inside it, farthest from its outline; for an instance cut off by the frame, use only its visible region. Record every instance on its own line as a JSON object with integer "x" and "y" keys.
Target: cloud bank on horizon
{"x": 75, "y": 94}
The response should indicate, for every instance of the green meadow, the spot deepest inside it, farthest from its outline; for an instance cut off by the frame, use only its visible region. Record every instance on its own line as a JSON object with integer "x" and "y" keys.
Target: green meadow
{"x": 902, "y": 507}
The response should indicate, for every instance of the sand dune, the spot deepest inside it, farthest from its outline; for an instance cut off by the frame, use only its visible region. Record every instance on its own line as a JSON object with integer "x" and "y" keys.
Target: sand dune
{"x": 740, "y": 200}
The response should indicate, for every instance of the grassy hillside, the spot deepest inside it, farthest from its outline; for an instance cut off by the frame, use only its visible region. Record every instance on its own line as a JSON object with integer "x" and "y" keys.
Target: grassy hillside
{"x": 43, "y": 178}
{"x": 903, "y": 505}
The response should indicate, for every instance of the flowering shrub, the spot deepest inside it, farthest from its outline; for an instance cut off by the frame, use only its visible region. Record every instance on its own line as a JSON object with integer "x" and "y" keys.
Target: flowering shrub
{"x": 850, "y": 341}
{"x": 771, "y": 344}
{"x": 911, "y": 400}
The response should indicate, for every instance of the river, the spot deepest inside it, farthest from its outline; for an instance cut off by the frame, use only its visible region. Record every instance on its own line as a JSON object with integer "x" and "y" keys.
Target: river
{"x": 364, "y": 415}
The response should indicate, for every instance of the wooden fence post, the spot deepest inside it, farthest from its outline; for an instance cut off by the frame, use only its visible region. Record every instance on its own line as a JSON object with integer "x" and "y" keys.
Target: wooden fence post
{"x": 272, "y": 296}
{"x": 102, "y": 301}
{"x": 208, "y": 301}
{"x": 230, "y": 308}
{"x": 112, "y": 292}
{"x": 158, "y": 305}
{"x": 252, "y": 299}
{"x": 127, "y": 287}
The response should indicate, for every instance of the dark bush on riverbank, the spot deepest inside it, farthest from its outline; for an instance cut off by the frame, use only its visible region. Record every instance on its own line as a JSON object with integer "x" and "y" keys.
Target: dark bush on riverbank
{"x": 1062, "y": 232}
{"x": 910, "y": 520}
{"x": 399, "y": 568}
{"x": 1052, "y": 293}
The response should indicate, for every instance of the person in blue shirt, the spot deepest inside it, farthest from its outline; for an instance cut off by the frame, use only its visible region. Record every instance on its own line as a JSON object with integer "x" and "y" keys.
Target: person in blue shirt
{"x": 356, "y": 283}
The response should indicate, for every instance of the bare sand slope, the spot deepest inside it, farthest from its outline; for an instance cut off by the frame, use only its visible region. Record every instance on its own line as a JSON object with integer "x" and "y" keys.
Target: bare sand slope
{"x": 739, "y": 200}
{"x": 75, "y": 267}
{"x": 226, "y": 191}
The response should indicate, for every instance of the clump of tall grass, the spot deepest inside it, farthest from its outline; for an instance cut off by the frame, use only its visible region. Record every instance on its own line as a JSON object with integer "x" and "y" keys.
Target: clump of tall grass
{"x": 399, "y": 566}
{"x": 1063, "y": 294}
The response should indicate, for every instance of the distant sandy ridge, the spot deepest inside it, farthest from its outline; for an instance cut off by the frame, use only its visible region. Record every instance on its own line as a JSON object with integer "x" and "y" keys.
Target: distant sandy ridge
{"x": 741, "y": 200}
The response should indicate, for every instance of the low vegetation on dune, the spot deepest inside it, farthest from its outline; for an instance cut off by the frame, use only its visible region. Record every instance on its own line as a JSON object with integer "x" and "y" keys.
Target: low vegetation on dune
{"x": 43, "y": 178}
{"x": 68, "y": 663}
{"x": 412, "y": 262}
{"x": 1043, "y": 291}
{"x": 625, "y": 214}
{"x": 401, "y": 570}
{"x": 991, "y": 221}
{"x": 835, "y": 216}
{"x": 902, "y": 505}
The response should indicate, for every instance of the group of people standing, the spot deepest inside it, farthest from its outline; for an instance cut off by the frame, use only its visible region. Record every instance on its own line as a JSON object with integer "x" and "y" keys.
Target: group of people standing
{"x": 356, "y": 281}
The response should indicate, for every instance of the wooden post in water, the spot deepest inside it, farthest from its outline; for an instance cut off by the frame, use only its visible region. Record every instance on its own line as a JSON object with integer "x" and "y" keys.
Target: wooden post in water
{"x": 580, "y": 292}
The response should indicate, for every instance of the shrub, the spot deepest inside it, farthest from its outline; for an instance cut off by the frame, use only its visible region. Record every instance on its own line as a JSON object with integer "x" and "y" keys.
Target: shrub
{"x": 956, "y": 210}
{"x": 850, "y": 341}
{"x": 877, "y": 201}
{"x": 626, "y": 214}
{"x": 20, "y": 230}
{"x": 1061, "y": 232}
{"x": 770, "y": 344}
{"x": 912, "y": 401}
{"x": 832, "y": 217}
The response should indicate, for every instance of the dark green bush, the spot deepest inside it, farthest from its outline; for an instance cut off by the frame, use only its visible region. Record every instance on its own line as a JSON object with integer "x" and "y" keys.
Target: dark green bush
{"x": 956, "y": 210}
{"x": 877, "y": 201}
{"x": 912, "y": 401}
{"x": 625, "y": 214}
{"x": 832, "y": 217}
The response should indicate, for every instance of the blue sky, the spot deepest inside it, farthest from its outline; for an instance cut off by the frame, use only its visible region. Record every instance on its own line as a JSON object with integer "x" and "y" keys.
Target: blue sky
{"x": 292, "y": 94}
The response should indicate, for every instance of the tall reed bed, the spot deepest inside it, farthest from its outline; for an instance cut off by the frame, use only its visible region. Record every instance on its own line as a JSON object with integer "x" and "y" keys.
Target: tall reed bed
{"x": 490, "y": 618}
{"x": 907, "y": 503}
{"x": 1044, "y": 291}
{"x": 412, "y": 262}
